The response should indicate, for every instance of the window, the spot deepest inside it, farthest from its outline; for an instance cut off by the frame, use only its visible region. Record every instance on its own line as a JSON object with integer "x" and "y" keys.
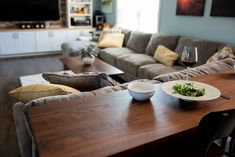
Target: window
{"x": 138, "y": 15}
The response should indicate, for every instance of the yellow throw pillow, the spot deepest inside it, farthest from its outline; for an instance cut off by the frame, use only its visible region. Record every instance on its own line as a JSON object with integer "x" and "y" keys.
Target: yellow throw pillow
{"x": 34, "y": 91}
{"x": 165, "y": 55}
{"x": 107, "y": 31}
{"x": 111, "y": 40}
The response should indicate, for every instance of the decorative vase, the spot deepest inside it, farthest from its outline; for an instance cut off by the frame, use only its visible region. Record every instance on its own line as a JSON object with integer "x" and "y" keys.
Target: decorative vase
{"x": 88, "y": 60}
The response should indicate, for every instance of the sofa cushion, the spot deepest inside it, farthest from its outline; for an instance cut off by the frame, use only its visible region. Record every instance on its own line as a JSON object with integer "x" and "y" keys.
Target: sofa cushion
{"x": 169, "y": 41}
{"x": 138, "y": 41}
{"x": 81, "y": 81}
{"x": 132, "y": 62}
{"x": 205, "y": 48}
{"x": 152, "y": 70}
{"x": 110, "y": 55}
{"x": 165, "y": 56}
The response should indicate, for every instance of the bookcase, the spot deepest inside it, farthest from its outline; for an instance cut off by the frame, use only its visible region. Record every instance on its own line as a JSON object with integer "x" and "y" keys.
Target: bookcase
{"x": 79, "y": 13}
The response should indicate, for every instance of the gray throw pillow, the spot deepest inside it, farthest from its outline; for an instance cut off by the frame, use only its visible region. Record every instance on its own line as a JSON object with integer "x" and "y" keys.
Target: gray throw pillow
{"x": 82, "y": 81}
{"x": 138, "y": 41}
{"x": 169, "y": 41}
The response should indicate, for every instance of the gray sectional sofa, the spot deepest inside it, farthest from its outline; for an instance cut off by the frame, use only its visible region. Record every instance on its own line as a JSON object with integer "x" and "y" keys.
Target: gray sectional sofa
{"x": 135, "y": 58}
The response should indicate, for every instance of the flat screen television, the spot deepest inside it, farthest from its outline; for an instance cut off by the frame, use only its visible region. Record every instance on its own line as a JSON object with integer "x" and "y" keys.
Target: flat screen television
{"x": 29, "y": 10}
{"x": 223, "y": 8}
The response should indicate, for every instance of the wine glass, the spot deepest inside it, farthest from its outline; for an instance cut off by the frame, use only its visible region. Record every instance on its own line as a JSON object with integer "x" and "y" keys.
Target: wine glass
{"x": 189, "y": 57}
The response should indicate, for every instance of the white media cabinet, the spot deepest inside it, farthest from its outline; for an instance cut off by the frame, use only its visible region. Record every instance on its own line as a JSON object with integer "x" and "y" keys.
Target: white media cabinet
{"x": 19, "y": 41}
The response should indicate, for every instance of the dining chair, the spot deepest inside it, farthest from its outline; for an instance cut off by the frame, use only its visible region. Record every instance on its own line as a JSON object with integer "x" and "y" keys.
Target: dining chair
{"x": 231, "y": 148}
{"x": 201, "y": 143}
{"x": 214, "y": 126}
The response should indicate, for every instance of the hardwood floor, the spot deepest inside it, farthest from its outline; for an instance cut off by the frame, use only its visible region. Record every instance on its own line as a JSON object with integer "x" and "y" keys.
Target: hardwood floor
{"x": 10, "y": 71}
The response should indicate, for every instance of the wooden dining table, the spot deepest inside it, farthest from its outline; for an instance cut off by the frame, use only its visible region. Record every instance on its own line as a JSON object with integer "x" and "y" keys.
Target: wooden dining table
{"x": 114, "y": 124}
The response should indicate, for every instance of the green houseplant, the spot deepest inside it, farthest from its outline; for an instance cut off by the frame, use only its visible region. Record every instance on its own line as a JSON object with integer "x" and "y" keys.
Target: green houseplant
{"x": 89, "y": 53}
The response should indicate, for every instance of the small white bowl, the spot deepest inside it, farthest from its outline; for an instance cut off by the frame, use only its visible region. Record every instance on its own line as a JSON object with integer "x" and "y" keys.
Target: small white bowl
{"x": 141, "y": 91}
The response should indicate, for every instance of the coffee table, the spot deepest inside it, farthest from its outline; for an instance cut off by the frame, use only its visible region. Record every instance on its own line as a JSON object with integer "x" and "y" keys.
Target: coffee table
{"x": 76, "y": 65}
{"x": 115, "y": 125}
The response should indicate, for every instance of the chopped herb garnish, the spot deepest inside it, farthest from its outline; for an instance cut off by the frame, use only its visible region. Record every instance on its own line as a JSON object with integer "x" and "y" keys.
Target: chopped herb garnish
{"x": 188, "y": 89}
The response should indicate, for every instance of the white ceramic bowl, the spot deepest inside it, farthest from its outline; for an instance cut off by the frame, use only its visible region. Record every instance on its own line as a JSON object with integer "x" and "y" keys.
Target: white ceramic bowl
{"x": 141, "y": 91}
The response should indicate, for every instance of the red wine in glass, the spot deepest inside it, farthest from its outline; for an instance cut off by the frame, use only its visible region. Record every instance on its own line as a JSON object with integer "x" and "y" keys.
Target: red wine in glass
{"x": 189, "y": 63}
{"x": 189, "y": 57}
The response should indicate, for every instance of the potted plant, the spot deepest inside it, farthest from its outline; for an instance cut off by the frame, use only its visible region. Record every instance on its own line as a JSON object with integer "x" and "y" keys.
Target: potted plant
{"x": 89, "y": 53}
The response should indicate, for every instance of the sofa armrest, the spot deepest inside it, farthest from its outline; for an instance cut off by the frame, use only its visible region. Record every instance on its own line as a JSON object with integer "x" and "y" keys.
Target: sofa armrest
{"x": 24, "y": 140}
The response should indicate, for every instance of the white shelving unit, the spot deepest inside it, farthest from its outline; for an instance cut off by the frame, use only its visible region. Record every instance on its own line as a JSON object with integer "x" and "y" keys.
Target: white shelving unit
{"x": 79, "y": 13}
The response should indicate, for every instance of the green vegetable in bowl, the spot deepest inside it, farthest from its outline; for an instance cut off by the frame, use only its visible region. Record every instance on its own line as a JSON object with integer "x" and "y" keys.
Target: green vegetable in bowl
{"x": 188, "y": 89}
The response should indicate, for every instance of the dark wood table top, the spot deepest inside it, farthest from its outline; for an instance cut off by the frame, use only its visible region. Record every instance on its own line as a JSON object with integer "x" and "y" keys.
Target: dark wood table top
{"x": 114, "y": 123}
{"x": 76, "y": 65}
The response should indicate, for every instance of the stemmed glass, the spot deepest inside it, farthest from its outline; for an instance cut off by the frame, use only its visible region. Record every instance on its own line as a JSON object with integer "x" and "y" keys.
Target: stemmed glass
{"x": 189, "y": 57}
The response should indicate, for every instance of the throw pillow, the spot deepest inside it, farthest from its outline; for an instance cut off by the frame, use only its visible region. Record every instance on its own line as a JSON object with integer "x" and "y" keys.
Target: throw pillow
{"x": 108, "y": 31}
{"x": 34, "y": 91}
{"x": 224, "y": 53}
{"x": 82, "y": 81}
{"x": 111, "y": 40}
{"x": 126, "y": 33}
{"x": 169, "y": 41}
{"x": 138, "y": 41}
{"x": 165, "y": 56}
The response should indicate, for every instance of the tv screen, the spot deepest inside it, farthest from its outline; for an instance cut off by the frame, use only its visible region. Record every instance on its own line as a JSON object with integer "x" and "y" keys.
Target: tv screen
{"x": 29, "y": 10}
{"x": 223, "y": 8}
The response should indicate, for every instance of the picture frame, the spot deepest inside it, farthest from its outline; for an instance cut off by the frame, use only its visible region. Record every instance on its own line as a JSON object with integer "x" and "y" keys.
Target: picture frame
{"x": 107, "y": 6}
{"x": 223, "y": 8}
{"x": 190, "y": 7}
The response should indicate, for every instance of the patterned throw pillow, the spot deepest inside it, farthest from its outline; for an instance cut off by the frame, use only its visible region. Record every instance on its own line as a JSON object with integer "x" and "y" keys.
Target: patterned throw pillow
{"x": 82, "y": 81}
{"x": 224, "y": 53}
{"x": 165, "y": 56}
